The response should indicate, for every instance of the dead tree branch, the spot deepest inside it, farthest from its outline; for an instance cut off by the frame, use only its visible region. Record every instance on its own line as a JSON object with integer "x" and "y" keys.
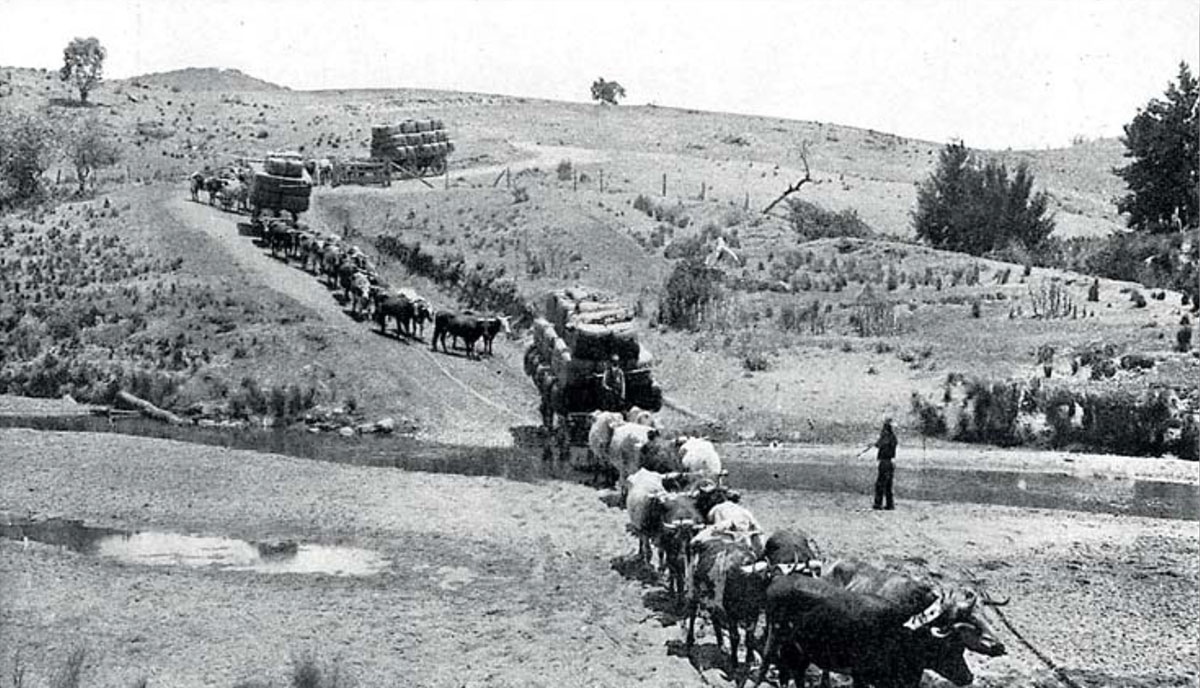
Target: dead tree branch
{"x": 794, "y": 187}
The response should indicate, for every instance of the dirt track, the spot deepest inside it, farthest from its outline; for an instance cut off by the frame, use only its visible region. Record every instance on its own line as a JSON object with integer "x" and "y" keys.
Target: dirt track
{"x": 454, "y": 400}
{"x": 495, "y": 582}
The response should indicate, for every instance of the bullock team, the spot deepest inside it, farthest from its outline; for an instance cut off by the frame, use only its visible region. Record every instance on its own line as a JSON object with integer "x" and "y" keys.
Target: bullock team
{"x": 344, "y": 267}
{"x": 230, "y": 188}
{"x": 882, "y": 628}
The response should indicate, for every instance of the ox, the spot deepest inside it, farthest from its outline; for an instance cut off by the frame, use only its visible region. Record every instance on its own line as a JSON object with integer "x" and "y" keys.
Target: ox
{"x": 698, "y": 455}
{"x": 723, "y": 582}
{"x": 635, "y": 446}
{"x": 393, "y": 306}
{"x": 213, "y": 186}
{"x": 197, "y": 180}
{"x": 955, "y": 607}
{"x": 466, "y": 327}
{"x": 729, "y": 583}
{"x": 877, "y": 640}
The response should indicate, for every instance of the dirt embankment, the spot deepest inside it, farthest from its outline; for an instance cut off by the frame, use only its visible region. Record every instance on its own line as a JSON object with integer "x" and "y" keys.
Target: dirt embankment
{"x": 494, "y": 582}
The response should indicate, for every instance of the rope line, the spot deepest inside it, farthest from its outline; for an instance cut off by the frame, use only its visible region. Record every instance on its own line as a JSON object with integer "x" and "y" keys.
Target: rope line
{"x": 1059, "y": 672}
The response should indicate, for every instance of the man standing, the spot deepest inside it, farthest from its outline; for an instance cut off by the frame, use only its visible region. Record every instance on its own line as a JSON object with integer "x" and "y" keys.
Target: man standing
{"x": 613, "y": 382}
{"x": 886, "y": 444}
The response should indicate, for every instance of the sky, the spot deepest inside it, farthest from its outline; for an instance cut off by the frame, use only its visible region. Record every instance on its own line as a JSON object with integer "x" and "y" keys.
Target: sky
{"x": 993, "y": 73}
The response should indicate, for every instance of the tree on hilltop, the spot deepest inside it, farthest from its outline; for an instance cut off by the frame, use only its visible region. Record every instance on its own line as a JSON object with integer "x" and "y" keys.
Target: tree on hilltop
{"x": 975, "y": 207}
{"x": 83, "y": 64}
{"x": 1164, "y": 175}
{"x": 607, "y": 91}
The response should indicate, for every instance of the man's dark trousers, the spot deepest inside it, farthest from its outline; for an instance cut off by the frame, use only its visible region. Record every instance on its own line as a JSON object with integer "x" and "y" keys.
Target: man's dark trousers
{"x": 883, "y": 485}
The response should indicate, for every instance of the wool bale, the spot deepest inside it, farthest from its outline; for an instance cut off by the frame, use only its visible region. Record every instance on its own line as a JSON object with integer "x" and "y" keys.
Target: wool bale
{"x": 282, "y": 167}
{"x": 600, "y": 342}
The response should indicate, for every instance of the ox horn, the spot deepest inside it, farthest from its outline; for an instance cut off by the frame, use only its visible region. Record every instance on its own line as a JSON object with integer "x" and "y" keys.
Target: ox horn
{"x": 993, "y": 602}
{"x": 952, "y": 629}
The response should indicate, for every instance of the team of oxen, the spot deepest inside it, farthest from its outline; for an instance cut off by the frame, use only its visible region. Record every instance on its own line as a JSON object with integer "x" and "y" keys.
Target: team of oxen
{"x": 230, "y": 188}
{"x": 346, "y": 268}
{"x": 881, "y": 627}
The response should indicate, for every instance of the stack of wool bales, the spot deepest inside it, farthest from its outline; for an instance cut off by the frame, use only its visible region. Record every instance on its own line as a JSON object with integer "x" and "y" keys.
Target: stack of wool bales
{"x": 419, "y": 139}
{"x": 582, "y": 330}
{"x": 280, "y": 183}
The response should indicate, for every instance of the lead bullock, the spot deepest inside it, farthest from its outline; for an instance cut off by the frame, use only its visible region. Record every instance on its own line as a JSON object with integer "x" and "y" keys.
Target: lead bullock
{"x": 881, "y": 628}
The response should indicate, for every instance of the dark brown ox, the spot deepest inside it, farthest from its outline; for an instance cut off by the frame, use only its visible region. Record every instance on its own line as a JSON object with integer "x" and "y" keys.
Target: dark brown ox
{"x": 468, "y": 327}
{"x": 954, "y": 607}
{"x": 393, "y": 306}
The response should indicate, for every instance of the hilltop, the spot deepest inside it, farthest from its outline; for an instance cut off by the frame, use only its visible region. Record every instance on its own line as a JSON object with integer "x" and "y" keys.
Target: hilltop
{"x": 204, "y": 79}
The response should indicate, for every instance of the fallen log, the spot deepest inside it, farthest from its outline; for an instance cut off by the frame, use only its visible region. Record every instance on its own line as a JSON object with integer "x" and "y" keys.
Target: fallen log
{"x": 150, "y": 410}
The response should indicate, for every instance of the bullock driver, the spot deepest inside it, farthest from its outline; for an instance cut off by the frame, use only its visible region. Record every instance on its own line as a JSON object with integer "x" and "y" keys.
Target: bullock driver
{"x": 613, "y": 383}
{"x": 886, "y": 445}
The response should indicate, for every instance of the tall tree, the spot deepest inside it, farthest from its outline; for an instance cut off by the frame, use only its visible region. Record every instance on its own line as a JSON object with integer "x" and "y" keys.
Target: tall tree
{"x": 607, "y": 91}
{"x": 975, "y": 207}
{"x": 83, "y": 64}
{"x": 1164, "y": 176}
{"x": 89, "y": 148}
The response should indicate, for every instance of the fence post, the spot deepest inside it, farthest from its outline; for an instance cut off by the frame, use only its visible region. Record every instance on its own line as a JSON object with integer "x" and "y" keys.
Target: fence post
{"x": 575, "y": 180}
{"x": 601, "y": 180}
{"x": 746, "y": 204}
{"x": 447, "y": 175}
{"x": 703, "y": 189}
{"x": 664, "y": 184}
{"x": 508, "y": 177}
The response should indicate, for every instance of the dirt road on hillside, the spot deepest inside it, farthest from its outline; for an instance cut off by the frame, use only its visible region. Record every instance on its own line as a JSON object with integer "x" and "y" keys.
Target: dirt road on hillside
{"x": 454, "y": 400}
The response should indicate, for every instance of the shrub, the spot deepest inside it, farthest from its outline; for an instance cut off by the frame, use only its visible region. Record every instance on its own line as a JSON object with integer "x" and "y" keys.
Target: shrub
{"x": 565, "y": 171}
{"x": 1093, "y": 294}
{"x": 930, "y": 421}
{"x": 811, "y": 221}
{"x": 975, "y": 308}
{"x": 755, "y": 361}
{"x": 1183, "y": 339}
{"x": 691, "y": 290}
{"x": 1139, "y": 301}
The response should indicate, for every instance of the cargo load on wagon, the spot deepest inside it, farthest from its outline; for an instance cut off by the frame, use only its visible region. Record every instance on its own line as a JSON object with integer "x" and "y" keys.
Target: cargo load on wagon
{"x": 414, "y": 146}
{"x": 279, "y": 183}
{"x": 581, "y": 332}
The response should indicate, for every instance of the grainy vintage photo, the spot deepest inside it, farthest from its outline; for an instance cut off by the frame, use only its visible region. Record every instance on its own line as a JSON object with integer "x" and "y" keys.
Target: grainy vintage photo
{"x": 508, "y": 343}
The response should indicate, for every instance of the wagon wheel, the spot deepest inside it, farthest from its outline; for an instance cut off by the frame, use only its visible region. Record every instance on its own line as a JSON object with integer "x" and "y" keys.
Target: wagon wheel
{"x": 437, "y": 167}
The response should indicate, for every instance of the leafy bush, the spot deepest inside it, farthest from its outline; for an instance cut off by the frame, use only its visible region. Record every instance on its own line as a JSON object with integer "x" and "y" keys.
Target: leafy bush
{"x": 565, "y": 171}
{"x": 691, "y": 290}
{"x": 811, "y": 221}
{"x": 1110, "y": 421}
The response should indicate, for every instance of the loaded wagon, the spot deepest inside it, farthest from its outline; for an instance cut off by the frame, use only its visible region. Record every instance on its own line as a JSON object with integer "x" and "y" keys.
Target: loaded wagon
{"x": 279, "y": 183}
{"x": 414, "y": 147}
{"x": 581, "y": 332}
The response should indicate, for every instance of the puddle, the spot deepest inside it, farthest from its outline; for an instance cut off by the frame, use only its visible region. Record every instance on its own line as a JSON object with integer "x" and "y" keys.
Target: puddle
{"x": 152, "y": 548}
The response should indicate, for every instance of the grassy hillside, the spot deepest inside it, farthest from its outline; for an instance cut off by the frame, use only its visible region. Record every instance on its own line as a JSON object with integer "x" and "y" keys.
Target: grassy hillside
{"x": 784, "y": 354}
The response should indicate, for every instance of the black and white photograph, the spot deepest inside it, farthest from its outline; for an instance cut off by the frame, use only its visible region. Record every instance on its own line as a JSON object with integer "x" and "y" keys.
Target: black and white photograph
{"x": 599, "y": 343}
